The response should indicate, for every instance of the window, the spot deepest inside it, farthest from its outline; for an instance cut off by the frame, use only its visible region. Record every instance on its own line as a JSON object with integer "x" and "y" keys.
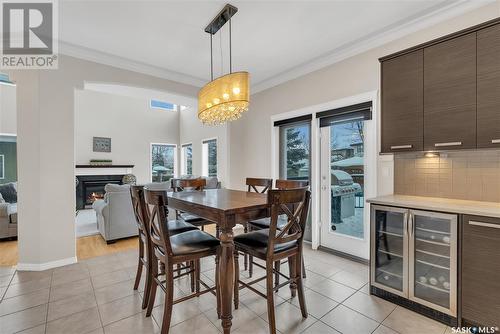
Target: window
{"x": 209, "y": 153}
{"x": 8, "y": 158}
{"x": 187, "y": 159}
{"x": 162, "y": 162}
{"x": 2, "y": 167}
{"x": 294, "y": 151}
{"x": 162, "y": 105}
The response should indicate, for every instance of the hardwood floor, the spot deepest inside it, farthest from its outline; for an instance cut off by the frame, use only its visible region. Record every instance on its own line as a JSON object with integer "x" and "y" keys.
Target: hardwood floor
{"x": 8, "y": 253}
{"x": 86, "y": 247}
{"x": 92, "y": 246}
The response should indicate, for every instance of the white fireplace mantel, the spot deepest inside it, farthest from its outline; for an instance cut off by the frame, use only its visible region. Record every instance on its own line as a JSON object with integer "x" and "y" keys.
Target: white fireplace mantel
{"x": 103, "y": 170}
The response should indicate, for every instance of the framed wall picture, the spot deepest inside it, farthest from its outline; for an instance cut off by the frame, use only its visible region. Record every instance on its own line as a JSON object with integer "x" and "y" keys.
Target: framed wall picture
{"x": 102, "y": 144}
{"x": 2, "y": 166}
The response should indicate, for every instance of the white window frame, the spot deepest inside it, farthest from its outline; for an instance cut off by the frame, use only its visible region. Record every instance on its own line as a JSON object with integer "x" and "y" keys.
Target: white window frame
{"x": 204, "y": 156}
{"x": 151, "y": 159}
{"x": 3, "y": 155}
{"x": 184, "y": 158}
{"x": 2, "y": 167}
{"x": 371, "y": 159}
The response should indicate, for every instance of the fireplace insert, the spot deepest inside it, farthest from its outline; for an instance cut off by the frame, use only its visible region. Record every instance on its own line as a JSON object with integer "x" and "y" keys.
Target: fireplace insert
{"x": 91, "y": 188}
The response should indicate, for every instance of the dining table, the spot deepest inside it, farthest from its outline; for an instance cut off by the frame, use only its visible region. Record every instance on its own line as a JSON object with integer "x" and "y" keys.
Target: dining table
{"x": 226, "y": 208}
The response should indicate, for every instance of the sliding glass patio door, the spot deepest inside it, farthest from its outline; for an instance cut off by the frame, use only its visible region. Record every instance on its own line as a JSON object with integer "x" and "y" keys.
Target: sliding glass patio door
{"x": 342, "y": 155}
{"x": 295, "y": 156}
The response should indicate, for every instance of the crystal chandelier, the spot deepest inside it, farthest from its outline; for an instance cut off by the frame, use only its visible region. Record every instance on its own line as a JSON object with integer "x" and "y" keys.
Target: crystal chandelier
{"x": 227, "y": 97}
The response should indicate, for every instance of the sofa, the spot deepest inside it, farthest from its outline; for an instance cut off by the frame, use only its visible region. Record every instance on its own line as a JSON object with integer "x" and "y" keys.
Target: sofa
{"x": 115, "y": 215}
{"x": 8, "y": 210}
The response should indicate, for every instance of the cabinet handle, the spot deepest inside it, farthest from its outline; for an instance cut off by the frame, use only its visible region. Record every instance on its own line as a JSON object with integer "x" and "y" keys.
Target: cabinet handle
{"x": 453, "y": 143}
{"x": 399, "y": 147}
{"x": 475, "y": 223}
{"x": 410, "y": 225}
{"x": 495, "y": 141}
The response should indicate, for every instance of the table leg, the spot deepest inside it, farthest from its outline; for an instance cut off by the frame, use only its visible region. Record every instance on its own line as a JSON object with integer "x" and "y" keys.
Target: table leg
{"x": 226, "y": 277}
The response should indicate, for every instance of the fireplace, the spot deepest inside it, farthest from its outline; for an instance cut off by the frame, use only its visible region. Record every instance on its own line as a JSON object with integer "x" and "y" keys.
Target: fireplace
{"x": 91, "y": 188}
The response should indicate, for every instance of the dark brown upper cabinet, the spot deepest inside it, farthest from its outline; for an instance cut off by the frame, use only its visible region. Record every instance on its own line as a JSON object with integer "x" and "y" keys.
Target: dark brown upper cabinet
{"x": 488, "y": 87}
{"x": 450, "y": 94}
{"x": 402, "y": 103}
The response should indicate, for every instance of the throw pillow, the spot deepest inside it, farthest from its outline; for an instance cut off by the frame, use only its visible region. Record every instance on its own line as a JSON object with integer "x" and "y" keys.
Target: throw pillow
{"x": 9, "y": 192}
{"x": 1, "y": 199}
{"x": 111, "y": 188}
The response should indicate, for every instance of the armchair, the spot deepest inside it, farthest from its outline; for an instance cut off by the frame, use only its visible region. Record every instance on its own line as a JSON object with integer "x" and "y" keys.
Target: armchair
{"x": 115, "y": 216}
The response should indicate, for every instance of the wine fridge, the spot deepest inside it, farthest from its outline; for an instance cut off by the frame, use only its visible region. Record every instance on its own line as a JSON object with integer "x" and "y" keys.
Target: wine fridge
{"x": 414, "y": 255}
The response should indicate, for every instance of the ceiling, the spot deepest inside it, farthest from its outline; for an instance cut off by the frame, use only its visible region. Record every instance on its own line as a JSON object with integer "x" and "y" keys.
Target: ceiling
{"x": 271, "y": 39}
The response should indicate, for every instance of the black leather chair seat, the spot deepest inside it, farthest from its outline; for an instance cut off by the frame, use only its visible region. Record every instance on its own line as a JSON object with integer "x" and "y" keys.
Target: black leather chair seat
{"x": 264, "y": 223}
{"x": 190, "y": 218}
{"x": 256, "y": 242}
{"x": 178, "y": 226}
{"x": 192, "y": 242}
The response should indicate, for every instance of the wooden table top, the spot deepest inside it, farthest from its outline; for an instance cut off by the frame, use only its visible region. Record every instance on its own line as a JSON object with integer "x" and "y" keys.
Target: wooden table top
{"x": 226, "y": 200}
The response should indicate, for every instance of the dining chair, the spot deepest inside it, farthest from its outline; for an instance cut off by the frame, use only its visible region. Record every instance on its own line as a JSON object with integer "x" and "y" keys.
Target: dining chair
{"x": 142, "y": 219}
{"x": 191, "y": 185}
{"x": 264, "y": 223}
{"x": 172, "y": 250}
{"x": 273, "y": 244}
{"x": 260, "y": 186}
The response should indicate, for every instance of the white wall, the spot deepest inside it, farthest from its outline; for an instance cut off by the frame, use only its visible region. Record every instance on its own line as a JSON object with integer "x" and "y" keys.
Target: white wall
{"x": 8, "y": 123}
{"x": 250, "y": 135}
{"x": 250, "y": 148}
{"x": 193, "y": 131}
{"x": 130, "y": 123}
{"x": 46, "y": 153}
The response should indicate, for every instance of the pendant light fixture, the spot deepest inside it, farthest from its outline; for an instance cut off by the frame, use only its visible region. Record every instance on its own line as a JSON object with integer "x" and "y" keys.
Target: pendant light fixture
{"x": 227, "y": 97}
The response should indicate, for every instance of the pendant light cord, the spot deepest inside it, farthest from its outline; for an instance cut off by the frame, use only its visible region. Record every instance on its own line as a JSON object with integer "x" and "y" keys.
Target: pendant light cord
{"x": 230, "y": 50}
{"x": 221, "y": 54}
{"x": 211, "y": 60}
{"x": 221, "y": 58}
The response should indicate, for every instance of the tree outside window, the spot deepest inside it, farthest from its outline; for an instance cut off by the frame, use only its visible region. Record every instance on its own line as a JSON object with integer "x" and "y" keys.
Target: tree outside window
{"x": 210, "y": 157}
{"x": 162, "y": 162}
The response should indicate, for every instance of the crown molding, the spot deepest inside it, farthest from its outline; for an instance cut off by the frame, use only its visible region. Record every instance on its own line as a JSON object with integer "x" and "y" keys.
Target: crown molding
{"x": 84, "y": 53}
{"x": 378, "y": 38}
{"x": 393, "y": 32}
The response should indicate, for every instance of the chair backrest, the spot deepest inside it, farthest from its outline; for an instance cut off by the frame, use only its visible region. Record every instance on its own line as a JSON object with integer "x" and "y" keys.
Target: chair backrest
{"x": 156, "y": 203}
{"x": 294, "y": 203}
{"x": 140, "y": 210}
{"x": 291, "y": 184}
{"x": 191, "y": 184}
{"x": 264, "y": 184}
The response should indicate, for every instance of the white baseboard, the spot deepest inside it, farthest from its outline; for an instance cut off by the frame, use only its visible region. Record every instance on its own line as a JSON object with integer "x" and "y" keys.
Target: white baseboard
{"x": 46, "y": 265}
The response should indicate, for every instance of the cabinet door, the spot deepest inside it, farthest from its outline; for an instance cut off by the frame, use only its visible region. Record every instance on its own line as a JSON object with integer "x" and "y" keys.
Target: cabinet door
{"x": 488, "y": 87}
{"x": 450, "y": 94}
{"x": 481, "y": 271}
{"x": 433, "y": 260}
{"x": 389, "y": 249}
{"x": 402, "y": 103}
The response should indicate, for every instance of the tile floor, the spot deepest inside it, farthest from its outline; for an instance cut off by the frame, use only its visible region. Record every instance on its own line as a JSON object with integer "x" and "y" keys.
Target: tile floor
{"x": 96, "y": 296}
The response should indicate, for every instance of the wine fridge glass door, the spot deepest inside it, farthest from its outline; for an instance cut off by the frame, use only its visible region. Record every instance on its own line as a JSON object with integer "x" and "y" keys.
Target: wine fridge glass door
{"x": 389, "y": 249}
{"x": 433, "y": 260}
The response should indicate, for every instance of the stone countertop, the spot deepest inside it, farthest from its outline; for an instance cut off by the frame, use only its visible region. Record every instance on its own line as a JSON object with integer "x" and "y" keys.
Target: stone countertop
{"x": 487, "y": 209}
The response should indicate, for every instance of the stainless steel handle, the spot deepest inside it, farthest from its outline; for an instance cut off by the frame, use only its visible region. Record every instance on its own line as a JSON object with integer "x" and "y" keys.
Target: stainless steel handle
{"x": 405, "y": 224}
{"x": 452, "y": 143}
{"x": 476, "y": 223}
{"x": 495, "y": 141}
{"x": 399, "y": 147}
{"x": 410, "y": 225}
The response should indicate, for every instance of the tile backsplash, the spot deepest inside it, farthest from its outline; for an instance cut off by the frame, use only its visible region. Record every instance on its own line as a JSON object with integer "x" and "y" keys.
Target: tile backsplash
{"x": 471, "y": 175}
